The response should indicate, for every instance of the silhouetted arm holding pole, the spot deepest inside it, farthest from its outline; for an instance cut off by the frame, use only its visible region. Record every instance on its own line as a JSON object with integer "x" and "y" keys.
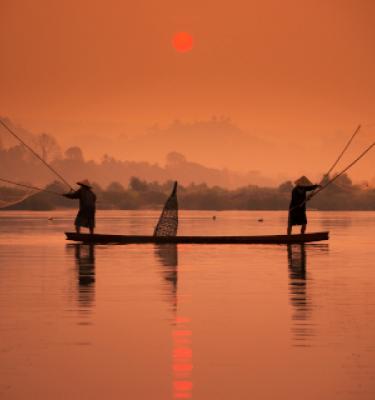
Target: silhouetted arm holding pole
{"x": 344, "y": 170}
{"x": 72, "y": 194}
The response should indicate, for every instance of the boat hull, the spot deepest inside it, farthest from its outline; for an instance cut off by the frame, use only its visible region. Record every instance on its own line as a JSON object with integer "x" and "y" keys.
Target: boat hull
{"x": 138, "y": 239}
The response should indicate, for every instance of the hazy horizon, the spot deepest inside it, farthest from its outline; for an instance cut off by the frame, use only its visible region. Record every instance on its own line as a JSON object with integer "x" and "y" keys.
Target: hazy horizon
{"x": 294, "y": 78}
{"x": 206, "y": 143}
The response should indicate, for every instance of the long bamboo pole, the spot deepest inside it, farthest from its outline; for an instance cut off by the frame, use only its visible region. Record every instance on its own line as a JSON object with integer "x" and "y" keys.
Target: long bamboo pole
{"x": 344, "y": 150}
{"x": 313, "y": 194}
{"x": 343, "y": 171}
{"x": 35, "y": 154}
{"x": 29, "y": 186}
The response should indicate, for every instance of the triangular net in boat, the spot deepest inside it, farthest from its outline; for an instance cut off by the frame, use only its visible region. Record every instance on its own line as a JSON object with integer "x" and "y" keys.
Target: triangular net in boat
{"x": 168, "y": 221}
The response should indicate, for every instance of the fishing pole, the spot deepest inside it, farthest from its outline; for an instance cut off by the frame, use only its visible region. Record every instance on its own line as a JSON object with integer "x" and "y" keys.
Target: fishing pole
{"x": 344, "y": 150}
{"x": 339, "y": 157}
{"x": 322, "y": 187}
{"x": 29, "y": 186}
{"x": 343, "y": 171}
{"x": 36, "y": 154}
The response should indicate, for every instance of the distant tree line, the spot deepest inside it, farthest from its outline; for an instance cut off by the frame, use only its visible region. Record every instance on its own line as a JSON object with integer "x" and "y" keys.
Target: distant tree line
{"x": 200, "y": 187}
{"x": 140, "y": 194}
{"x": 19, "y": 164}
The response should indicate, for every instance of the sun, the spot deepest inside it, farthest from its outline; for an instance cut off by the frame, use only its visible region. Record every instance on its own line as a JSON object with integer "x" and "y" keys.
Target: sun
{"x": 182, "y": 42}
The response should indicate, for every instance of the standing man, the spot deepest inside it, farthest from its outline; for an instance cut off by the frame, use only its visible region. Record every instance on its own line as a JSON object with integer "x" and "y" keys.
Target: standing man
{"x": 87, "y": 207}
{"x": 297, "y": 206}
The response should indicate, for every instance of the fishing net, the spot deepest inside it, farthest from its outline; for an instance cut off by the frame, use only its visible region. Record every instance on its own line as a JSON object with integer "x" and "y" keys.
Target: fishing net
{"x": 9, "y": 198}
{"x": 168, "y": 221}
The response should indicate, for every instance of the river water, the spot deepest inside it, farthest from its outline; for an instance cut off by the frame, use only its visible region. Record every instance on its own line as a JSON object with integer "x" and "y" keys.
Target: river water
{"x": 189, "y": 321}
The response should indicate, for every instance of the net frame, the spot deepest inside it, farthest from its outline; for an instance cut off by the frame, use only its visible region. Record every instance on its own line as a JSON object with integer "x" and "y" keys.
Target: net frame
{"x": 168, "y": 221}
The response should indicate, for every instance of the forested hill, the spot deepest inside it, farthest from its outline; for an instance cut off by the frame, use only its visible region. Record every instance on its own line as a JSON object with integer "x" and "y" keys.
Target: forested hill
{"x": 17, "y": 163}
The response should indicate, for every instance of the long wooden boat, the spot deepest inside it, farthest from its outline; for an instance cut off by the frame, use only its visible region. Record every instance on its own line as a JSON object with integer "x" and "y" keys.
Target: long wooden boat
{"x": 132, "y": 239}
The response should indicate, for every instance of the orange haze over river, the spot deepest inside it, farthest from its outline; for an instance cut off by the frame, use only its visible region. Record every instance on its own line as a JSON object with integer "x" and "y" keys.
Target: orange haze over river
{"x": 296, "y": 77}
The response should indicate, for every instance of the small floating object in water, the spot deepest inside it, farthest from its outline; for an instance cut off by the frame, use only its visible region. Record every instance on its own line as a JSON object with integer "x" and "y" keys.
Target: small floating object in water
{"x": 214, "y": 217}
{"x": 260, "y": 220}
{"x": 50, "y": 218}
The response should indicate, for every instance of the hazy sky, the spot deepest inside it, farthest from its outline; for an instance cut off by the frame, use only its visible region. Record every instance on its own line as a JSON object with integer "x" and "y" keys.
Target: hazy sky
{"x": 280, "y": 69}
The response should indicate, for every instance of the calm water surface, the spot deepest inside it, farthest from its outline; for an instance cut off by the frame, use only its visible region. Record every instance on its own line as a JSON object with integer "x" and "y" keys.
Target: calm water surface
{"x": 188, "y": 321}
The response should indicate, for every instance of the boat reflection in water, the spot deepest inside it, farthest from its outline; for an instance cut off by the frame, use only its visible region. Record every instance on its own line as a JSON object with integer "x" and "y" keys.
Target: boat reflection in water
{"x": 84, "y": 255}
{"x": 182, "y": 357}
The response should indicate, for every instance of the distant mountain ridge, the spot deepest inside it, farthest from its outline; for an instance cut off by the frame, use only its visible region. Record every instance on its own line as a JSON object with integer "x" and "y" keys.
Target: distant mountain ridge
{"x": 206, "y": 149}
{"x": 18, "y": 164}
{"x": 217, "y": 142}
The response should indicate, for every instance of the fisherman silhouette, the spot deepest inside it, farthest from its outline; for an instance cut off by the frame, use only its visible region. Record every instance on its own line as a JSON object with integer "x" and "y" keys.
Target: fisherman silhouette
{"x": 87, "y": 208}
{"x": 297, "y": 206}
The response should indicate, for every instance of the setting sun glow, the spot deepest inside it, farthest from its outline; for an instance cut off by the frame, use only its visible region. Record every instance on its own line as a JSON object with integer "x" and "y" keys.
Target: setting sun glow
{"x": 182, "y": 42}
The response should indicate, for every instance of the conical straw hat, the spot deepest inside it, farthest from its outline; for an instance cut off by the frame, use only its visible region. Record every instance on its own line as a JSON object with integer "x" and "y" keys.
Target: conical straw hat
{"x": 84, "y": 182}
{"x": 303, "y": 181}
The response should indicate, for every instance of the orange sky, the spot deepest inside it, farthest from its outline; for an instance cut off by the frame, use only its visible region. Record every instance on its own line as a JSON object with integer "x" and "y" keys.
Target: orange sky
{"x": 279, "y": 69}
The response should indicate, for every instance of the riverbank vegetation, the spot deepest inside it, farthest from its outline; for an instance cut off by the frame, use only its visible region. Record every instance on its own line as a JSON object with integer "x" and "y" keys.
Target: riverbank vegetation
{"x": 140, "y": 194}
